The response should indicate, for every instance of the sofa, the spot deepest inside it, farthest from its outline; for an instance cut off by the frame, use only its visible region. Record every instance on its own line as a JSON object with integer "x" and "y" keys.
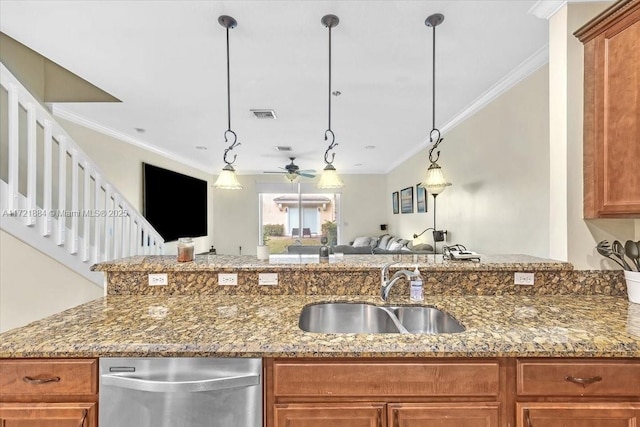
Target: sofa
{"x": 385, "y": 244}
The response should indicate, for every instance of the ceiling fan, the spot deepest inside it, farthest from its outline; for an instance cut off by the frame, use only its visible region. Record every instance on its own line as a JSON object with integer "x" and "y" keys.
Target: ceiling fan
{"x": 292, "y": 171}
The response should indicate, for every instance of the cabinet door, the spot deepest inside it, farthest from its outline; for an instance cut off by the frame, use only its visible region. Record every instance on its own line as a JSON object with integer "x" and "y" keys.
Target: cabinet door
{"x": 443, "y": 414}
{"x": 612, "y": 116}
{"x": 325, "y": 414}
{"x": 48, "y": 414}
{"x": 577, "y": 414}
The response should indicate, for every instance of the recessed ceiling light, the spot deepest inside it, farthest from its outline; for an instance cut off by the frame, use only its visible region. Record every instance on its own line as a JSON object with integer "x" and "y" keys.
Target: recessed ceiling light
{"x": 336, "y": 93}
{"x": 283, "y": 148}
{"x": 140, "y": 130}
{"x": 358, "y": 164}
{"x": 201, "y": 147}
{"x": 369, "y": 147}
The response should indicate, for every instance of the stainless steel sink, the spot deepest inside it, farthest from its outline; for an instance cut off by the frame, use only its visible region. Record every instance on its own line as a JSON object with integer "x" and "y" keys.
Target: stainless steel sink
{"x": 427, "y": 320}
{"x": 342, "y": 317}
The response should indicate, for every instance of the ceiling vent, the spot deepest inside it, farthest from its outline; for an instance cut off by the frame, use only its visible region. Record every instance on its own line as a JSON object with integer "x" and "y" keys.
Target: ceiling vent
{"x": 283, "y": 148}
{"x": 264, "y": 114}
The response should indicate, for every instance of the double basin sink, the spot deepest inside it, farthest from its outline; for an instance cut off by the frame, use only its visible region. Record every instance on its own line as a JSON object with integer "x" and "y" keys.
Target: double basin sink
{"x": 363, "y": 318}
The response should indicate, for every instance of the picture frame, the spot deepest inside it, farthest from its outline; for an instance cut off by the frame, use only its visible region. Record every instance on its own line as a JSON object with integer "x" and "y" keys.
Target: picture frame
{"x": 421, "y": 198}
{"x": 406, "y": 200}
{"x": 395, "y": 202}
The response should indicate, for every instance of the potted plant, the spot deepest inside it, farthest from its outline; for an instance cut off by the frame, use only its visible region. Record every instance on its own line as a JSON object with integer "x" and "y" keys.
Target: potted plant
{"x": 263, "y": 249}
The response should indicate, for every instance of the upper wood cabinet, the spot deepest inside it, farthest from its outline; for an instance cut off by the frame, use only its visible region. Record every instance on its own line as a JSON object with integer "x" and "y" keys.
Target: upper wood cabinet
{"x": 612, "y": 112}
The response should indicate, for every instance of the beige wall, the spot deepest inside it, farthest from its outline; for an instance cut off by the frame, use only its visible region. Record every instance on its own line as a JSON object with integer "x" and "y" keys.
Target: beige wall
{"x": 582, "y": 235}
{"x": 498, "y": 163}
{"x": 362, "y": 210}
{"x": 122, "y": 165}
{"x": 33, "y": 285}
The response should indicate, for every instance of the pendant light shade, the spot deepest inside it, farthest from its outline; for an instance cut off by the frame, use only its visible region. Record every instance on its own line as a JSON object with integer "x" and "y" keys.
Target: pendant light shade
{"x": 329, "y": 178}
{"x": 434, "y": 181}
{"x": 227, "y": 180}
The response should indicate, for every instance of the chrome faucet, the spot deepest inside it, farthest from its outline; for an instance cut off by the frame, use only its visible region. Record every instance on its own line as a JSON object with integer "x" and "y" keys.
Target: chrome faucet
{"x": 387, "y": 283}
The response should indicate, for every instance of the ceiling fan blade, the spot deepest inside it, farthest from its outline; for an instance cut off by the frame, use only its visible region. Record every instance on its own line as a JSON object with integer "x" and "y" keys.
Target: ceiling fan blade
{"x": 307, "y": 175}
{"x": 307, "y": 171}
{"x": 273, "y": 172}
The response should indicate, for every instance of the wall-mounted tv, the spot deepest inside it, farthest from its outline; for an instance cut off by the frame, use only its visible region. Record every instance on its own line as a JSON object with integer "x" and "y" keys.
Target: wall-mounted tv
{"x": 175, "y": 204}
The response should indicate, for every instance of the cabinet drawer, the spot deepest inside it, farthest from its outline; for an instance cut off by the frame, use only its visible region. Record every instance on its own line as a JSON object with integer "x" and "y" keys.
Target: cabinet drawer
{"x": 379, "y": 379}
{"x": 578, "y": 378}
{"x": 48, "y": 377}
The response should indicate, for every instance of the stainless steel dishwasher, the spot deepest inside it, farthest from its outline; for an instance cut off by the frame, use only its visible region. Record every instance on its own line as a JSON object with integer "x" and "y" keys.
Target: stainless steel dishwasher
{"x": 180, "y": 392}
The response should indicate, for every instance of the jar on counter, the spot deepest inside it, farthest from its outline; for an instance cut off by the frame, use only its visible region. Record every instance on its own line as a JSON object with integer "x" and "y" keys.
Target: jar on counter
{"x": 185, "y": 249}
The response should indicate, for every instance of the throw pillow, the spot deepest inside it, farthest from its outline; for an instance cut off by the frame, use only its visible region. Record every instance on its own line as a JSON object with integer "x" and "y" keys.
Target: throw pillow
{"x": 360, "y": 242}
{"x": 396, "y": 246}
{"x": 384, "y": 241}
{"x": 392, "y": 241}
{"x": 374, "y": 242}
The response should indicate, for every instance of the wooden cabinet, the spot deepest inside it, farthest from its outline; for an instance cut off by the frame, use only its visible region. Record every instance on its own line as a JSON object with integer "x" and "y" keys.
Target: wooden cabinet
{"x": 443, "y": 415}
{"x": 578, "y": 415}
{"x": 51, "y": 392}
{"x": 384, "y": 392}
{"x": 578, "y": 393}
{"x": 48, "y": 414}
{"x": 323, "y": 414}
{"x": 612, "y": 112}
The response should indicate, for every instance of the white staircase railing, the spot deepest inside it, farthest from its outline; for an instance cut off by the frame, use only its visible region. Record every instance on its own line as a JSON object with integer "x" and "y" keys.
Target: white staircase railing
{"x": 53, "y": 197}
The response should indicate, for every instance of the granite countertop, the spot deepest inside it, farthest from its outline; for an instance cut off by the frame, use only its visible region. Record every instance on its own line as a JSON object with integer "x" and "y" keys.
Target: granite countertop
{"x": 156, "y": 263}
{"x": 266, "y": 326}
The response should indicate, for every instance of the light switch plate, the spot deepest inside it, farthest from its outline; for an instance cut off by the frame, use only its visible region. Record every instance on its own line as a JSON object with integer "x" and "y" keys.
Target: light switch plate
{"x": 268, "y": 279}
{"x": 227, "y": 279}
{"x": 158, "y": 279}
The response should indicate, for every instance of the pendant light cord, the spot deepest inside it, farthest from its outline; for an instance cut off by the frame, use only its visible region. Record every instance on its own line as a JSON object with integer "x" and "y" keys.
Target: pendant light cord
{"x": 329, "y": 132}
{"x": 234, "y": 143}
{"x": 434, "y": 135}
{"x": 228, "y": 86}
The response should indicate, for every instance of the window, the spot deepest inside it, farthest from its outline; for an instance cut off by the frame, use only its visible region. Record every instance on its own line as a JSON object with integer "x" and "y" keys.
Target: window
{"x": 297, "y": 215}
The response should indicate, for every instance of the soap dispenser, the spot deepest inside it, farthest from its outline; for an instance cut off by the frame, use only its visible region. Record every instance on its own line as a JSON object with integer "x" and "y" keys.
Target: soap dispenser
{"x": 416, "y": 293}
{"x": 324, "y": 249}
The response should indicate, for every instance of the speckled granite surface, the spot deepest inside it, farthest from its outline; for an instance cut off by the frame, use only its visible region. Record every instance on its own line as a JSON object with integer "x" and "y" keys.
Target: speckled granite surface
{"x": 254, "y": 326}
{"x": 157, "y": 263}
{"x": 357, "y": 275}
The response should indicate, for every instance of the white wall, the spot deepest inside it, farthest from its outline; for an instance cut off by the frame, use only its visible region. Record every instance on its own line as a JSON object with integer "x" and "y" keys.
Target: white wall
{"x": 362, "y": 211}
{"x": 33, "y": 286}
{"x": 582, "y": 235}
{"x": 498, "y": 163}
{"x": 122, "y": 165}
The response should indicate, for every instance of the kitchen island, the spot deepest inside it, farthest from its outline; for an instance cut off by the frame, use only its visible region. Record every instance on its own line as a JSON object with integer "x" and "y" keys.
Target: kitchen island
{"x": 564, "y": 349}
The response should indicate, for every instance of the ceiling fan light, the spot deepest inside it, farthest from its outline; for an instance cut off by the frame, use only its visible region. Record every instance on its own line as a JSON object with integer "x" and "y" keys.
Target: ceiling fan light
{"x": 330, "y": 178}
{"x": 227, "y": 180}
{"x": 291, "y": 176}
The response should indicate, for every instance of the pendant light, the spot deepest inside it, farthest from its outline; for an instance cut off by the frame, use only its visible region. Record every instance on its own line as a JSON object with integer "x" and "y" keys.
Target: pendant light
{"x": 227, "y": 180}
{"x": 329, "y": 178}
{"x": 434, "y": 182}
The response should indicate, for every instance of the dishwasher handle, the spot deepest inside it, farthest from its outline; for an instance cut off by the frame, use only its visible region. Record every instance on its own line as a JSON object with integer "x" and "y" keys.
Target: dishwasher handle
{"x": 153, "y": 386}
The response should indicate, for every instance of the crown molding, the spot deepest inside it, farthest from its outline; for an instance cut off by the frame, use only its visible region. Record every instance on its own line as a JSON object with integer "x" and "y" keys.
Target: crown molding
{"x": 515, "y": 76}
{"x": 545, "y": 9}
{"x": 120, "y": 136}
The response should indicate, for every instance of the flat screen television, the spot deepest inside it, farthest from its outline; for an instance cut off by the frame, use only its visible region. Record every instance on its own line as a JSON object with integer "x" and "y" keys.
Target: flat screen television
{"x": 175, "y": 204}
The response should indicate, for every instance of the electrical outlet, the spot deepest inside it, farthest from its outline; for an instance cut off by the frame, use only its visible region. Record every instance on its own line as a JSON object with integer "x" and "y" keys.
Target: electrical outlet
{"x": 227, "y": 279}
{"x": 267, "y": 278}
{"x": 523, "y": 279}
{"x": 158, "y": 279}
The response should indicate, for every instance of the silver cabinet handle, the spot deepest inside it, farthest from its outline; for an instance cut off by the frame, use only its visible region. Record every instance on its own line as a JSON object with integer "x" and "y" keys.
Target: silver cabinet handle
{"x": 211, "y": 384}
{"x": 32, "y": 380}
{"x": 583, "y": 381}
